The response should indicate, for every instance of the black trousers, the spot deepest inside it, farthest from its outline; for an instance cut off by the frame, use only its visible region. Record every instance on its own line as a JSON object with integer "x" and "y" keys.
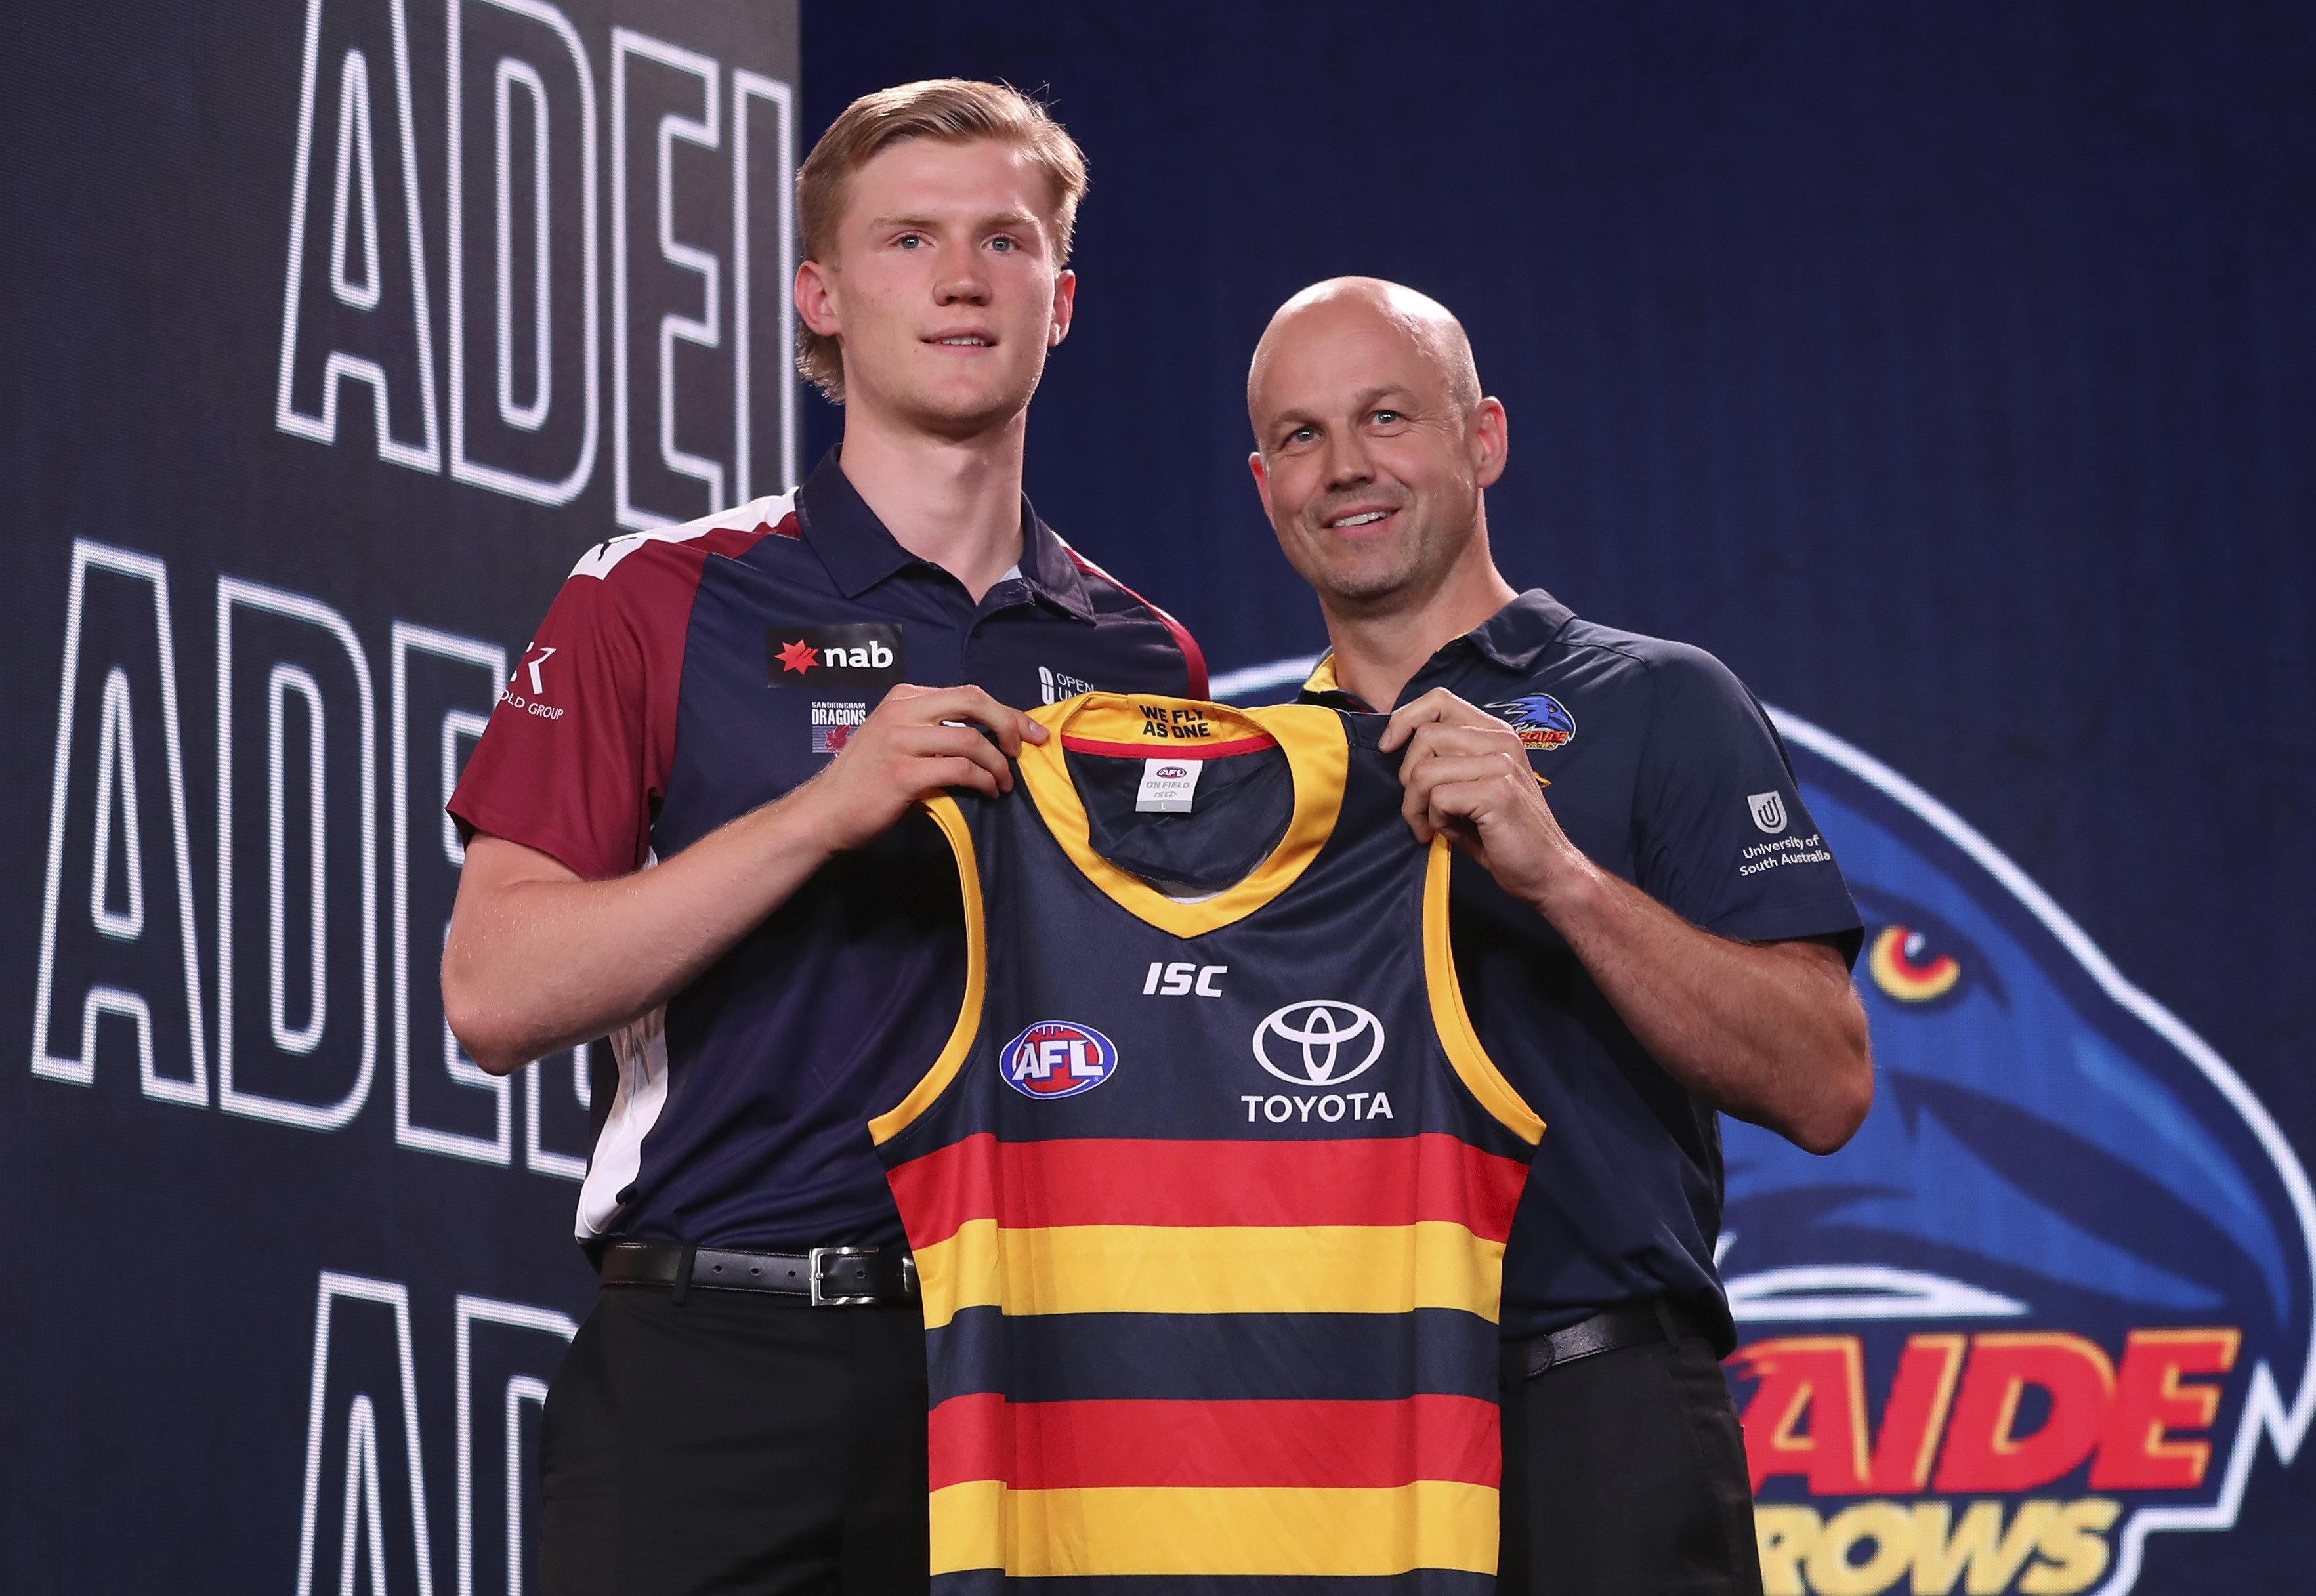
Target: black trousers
{"x": 736, "y": 1444}
{"x": 1625, "y": 1475}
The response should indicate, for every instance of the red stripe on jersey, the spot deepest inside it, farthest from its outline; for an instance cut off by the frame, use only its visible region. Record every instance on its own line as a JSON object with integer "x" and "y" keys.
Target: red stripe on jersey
{"x": 1155, "y": 750}
{"x": 1191, "y": 654}
{"x": 1034, "y": 1185}
{"x": 1059, "y": 1446}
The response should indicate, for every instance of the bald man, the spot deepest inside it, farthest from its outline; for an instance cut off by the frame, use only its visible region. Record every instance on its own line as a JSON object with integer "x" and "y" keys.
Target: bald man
{"x": 1628, "y": 960}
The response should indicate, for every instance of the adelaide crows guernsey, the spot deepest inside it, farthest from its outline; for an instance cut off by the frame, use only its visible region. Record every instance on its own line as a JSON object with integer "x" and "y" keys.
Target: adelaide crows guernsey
{"x": 1208, "y": 1191}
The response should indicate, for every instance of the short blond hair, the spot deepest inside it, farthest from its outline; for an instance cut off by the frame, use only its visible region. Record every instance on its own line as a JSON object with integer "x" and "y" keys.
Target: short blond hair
{"x": 954, "y": 110}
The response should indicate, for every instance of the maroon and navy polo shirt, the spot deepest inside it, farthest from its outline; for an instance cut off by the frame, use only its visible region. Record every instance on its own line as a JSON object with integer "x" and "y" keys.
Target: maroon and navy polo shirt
{"x": 1664, "y": 770}
{"x": 685, "y": 676}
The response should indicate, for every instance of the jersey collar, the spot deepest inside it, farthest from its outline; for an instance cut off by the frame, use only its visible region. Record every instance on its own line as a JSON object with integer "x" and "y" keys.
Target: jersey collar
{"x": 1318, "y": 757}
{"x": 859, "y": 552}
{"x": 1512, "y": 640}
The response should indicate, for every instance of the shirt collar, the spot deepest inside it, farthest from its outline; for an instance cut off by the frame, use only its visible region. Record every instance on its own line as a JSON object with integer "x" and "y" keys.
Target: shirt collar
{"x": 1512, "y": 638}
{"x": 1515, "y": 635}
{"x": 859, "y": 552}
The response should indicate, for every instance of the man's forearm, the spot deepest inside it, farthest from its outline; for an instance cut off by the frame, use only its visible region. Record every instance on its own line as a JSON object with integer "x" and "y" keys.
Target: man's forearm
{"x": 539, "y": 959}
{"x": 1771, "y": 1033}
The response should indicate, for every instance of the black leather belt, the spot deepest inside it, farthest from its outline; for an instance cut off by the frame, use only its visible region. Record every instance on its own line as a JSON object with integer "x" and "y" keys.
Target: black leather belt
{"x": 825, "y": 1277}
{"x": 1634, "y": 1324}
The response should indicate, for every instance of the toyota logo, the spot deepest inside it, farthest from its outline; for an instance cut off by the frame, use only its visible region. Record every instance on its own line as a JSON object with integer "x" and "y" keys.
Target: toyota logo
{"x": 1312, "y": 1038}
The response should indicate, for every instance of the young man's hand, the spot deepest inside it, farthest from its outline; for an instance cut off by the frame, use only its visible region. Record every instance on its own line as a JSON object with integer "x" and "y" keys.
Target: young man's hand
{"x": 1467, "y": 773}
{"x": 917, "y": 742}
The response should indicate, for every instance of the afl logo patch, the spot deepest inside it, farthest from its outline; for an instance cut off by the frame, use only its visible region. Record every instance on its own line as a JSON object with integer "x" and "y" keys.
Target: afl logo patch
{"x": 1318, "y": 1042}
{"x": 1170, "y": 773}
{"x": 1055, "y": 1059}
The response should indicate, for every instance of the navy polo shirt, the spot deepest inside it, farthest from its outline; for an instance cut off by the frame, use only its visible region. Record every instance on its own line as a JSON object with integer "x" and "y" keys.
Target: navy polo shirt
{"x": 686, "y": 676}
{"x": 1664, "y": 770}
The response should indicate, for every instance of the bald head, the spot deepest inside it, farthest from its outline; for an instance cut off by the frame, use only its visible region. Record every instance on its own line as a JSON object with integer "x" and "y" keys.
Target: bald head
{"x": 1374, "y": 446}
{"x": 1369, "y": 308}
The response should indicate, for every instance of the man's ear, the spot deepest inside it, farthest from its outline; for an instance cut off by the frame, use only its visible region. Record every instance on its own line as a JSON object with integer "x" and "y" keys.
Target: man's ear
{"x": 1066, "y": 305}
{"x": 1261, "y": 481}
{"x": 1491, "y": 441}
{"x": 815, "y": 296}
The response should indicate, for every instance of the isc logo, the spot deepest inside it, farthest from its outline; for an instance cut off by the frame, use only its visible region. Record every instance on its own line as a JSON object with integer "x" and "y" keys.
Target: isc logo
{"x": 1055, "y": 1059}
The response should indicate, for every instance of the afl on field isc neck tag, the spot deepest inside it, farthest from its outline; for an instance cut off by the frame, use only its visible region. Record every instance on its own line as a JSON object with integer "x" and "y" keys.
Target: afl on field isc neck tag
{"x": 1168, "y": 785}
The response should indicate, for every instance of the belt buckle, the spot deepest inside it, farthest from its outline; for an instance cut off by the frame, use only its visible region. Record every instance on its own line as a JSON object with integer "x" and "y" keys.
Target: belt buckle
{"x": 820, "y": 1299}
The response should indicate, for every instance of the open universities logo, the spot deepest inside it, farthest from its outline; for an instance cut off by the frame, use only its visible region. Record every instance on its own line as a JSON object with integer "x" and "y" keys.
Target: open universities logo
{"x": 2056, "y": 1293}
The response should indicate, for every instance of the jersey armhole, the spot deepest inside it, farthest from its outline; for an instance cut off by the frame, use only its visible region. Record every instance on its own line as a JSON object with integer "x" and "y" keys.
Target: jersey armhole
{"x": 884, "y": 1127}
{"x": 1452, "y": 1021}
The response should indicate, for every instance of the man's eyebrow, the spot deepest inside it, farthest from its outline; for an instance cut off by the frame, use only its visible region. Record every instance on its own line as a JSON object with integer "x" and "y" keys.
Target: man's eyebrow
{"x": 1002, "y": 218}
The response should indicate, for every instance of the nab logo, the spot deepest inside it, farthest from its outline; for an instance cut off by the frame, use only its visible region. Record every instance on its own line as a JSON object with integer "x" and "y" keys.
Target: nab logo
{"x": 1541, "y": 720}
{"x": 1768, "y": 810}
{"x": 867, "y": 655}
{"x": 1055, "y": 1059}
{"x": 2055, "y": 1295}
{"x": 1311, "y": 1043}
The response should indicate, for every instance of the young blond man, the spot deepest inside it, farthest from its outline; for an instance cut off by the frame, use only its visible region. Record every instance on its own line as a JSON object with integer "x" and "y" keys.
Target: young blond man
{"x": 751, "y": 705}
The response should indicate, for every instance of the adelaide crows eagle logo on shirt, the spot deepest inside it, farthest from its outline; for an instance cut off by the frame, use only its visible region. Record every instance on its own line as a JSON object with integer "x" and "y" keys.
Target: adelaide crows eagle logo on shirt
{"x": 2055, "y": 1295}
{"x": 1541, "y": 720}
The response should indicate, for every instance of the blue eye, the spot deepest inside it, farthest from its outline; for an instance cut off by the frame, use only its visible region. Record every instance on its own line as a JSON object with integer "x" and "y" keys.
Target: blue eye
{"x": 1004, "y": 246}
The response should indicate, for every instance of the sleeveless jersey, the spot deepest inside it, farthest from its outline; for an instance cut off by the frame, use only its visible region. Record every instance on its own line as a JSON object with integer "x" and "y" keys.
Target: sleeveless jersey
{"x": 1208, "y": 1198}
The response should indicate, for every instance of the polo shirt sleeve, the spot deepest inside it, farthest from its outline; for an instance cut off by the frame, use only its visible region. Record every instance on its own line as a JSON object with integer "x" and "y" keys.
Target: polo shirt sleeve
{"x": 1724, "y": 839}
{"x": 575, "y": 758}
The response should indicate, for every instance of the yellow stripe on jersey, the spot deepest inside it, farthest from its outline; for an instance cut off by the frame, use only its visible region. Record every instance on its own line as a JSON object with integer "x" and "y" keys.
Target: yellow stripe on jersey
{"x": 1150, "y": 1268}
{"x": 968, "y": 1028}
{"x": 1207, "y": 1529}
{"x": 1451, "y": 1019}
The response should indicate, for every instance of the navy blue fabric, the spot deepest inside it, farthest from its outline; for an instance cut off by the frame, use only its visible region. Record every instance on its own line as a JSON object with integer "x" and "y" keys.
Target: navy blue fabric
{"x": 1657, "y": 757}
{"x": 1212, "y": 1357}
{"x": 831, "y": 1009}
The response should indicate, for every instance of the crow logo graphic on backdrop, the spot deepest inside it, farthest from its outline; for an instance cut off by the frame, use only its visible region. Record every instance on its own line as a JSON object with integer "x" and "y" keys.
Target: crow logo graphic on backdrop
{"x": 2058, "y": 1288}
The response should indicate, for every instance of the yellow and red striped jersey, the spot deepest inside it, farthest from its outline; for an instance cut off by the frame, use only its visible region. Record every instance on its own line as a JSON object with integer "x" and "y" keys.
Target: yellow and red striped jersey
{"x": 1209, "y": 1191}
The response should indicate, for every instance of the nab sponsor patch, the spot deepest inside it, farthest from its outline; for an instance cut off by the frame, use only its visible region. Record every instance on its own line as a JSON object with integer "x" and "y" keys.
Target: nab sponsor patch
{"x": 861, "y": 658}
{"x": 1055, "y": 1059}
{"x": 1541, "y": 720}
{"x": 2057, "y": 1294}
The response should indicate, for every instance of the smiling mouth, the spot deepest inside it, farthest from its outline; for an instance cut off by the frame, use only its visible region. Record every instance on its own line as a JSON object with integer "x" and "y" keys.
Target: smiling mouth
{"x": 965, "y": 340}
{"x": 1364, "y": 517}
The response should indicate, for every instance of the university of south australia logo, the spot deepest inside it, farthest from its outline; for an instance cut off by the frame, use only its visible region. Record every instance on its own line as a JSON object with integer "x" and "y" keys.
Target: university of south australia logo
{"x": 1056, "y": 1059}
{"x": 1768, "y": 810}
{"x": 1318, "y": 1042}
